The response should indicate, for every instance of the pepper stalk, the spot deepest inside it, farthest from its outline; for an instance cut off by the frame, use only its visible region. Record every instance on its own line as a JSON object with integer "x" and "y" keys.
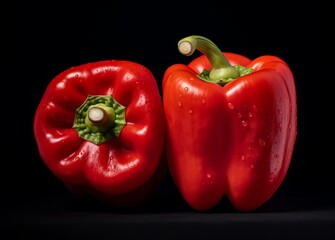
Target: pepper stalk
{"x": 222, "y": 71}
{"x": 99, "y": 119}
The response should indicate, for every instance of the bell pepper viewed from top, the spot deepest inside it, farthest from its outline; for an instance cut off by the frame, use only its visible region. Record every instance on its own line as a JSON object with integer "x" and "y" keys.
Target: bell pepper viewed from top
{"x": 100, "y": 128}
{"x": 231, "y": 125}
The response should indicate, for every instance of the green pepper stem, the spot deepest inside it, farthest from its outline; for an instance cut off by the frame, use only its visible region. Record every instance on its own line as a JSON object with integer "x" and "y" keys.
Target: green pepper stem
{"x": 222, "y": 69}
{"x": 100, "y": 117}
{"x": 97, "y": 115}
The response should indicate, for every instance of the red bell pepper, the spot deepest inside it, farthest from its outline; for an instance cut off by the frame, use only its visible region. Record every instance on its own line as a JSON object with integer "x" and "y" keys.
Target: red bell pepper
{"x": 231, "y": 125}
{"x": 100, "y": 128}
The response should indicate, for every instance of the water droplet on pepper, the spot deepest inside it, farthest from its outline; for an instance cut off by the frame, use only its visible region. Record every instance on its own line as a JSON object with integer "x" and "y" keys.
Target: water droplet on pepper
{"x": 261, "y": 142}
{"x": 230, "y": 106}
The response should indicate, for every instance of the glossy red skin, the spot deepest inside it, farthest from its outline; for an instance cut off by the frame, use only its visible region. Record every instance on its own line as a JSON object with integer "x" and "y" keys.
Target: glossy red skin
{"x": 236, "y": 140}
{"x": 124, "y": 166}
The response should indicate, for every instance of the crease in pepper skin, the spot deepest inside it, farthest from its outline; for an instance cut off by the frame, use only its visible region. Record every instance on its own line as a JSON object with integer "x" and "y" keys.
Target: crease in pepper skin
{"x": 231, "y": 125}
{"x": 100, "y": 129}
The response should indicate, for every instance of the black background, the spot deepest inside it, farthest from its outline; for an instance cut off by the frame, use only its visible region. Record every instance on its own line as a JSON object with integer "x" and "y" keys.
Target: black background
{"x": 50, "y": 38}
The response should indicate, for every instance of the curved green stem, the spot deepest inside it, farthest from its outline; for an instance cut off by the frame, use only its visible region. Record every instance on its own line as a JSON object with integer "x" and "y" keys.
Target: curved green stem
{"x": 221, "y": 70}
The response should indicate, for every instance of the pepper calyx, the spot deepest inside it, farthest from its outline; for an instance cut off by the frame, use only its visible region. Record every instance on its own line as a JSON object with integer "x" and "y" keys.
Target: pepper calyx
{"x": 99, "y": 119}
{"x": 205, "y": 75}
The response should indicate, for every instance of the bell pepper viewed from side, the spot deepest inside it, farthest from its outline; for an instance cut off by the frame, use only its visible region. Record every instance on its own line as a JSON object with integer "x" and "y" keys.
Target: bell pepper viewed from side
{"x": 231, "y": 125}
{"x": 100, "y": 128}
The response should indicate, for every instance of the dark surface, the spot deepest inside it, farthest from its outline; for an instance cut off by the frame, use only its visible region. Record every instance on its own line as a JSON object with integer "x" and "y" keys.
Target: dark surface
{"x": 51, "y": 38}
{"x": 165, "y": 216}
